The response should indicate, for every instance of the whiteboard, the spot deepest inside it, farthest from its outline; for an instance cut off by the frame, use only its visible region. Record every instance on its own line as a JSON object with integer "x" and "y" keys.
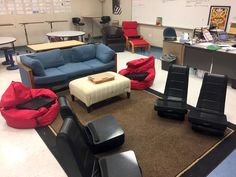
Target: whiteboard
{"x": 178, "y": 13}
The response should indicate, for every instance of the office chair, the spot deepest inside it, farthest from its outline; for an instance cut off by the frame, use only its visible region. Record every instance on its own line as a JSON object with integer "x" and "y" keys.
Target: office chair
{"x": 174, "y": 103}
{"x": 77, "y": 22}
{"x": 169, "y": 34}
{"x": 105, "y": 20}
{"x": 77, "y": 159}
{"x": 209, "y": 116}
{"x": 101, "y": 135}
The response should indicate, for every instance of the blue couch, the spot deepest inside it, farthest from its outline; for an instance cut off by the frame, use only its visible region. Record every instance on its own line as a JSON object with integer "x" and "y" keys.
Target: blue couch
{"x": 58, "y": 67}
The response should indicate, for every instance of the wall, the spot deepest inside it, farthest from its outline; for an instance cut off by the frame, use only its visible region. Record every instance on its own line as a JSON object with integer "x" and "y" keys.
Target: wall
{"x": 37, "y": 32}
{"x": 153, "y": 34}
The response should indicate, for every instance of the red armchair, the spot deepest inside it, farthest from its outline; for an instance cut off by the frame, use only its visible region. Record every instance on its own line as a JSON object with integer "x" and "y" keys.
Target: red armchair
{"x": 141, "y": 65}
{"x": 132, "y": 37}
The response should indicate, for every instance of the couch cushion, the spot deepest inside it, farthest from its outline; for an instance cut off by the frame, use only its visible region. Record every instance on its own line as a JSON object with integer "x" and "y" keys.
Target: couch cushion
{"x": 49, "y": 59}
{"x": 104, "y": 53}
{"x": 67, "y": 55}
{"x": 98, "y": 66}
{"x": 83, "y": 53}
{"x": 75, "y": 69}
{"x": 35, "y": 65}
{"x": 52, "y": 75}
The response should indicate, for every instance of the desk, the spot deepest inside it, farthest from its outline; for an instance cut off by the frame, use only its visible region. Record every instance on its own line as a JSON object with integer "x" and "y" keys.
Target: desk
{"x": 26, "y": 34}
{"x": 66, "y": 34}
{"x": 8, "y": 56}
{"x": 50, "y": 22}
{"x": 197, "y": 56}
{"x": 54, "y": 45}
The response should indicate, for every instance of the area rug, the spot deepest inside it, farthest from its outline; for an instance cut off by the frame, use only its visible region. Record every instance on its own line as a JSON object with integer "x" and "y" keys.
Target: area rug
{"x": 163, "y": 147}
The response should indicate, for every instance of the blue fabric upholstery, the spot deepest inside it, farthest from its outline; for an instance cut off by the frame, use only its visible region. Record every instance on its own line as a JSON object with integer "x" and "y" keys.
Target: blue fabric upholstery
{"x": 104, "y": 53}
{"x": 67, "y": 55}
{"x": 83, "y": 53}
{"x": 49, "y": 59}
{"x": 35, "y": 65}
{"x": 75, "y": 69}
{"x": 52, "y": 75}
{"x": 99, "y": 66}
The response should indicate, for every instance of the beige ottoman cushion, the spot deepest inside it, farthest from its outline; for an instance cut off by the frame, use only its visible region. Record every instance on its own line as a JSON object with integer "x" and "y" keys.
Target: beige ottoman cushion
{"x": 90, "y": 93}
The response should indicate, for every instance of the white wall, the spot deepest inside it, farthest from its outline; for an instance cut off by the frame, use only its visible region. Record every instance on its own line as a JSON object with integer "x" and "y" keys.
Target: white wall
{"x": 37, "y": 32}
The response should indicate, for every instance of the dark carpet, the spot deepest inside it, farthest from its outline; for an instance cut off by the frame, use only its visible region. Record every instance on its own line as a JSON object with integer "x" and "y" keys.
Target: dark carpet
{"x": 163, "y": 147}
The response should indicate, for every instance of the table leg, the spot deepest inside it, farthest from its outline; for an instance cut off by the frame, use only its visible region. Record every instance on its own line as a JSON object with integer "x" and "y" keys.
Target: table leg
{"x": 26, "y": 35}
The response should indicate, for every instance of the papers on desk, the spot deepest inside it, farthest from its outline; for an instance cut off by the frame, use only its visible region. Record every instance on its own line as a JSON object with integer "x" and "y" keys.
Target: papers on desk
{"x": 205, "y": 44}
{"x": 228, "y": 48}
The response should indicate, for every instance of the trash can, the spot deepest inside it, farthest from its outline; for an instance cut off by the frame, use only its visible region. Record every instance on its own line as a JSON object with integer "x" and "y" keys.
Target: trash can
{"x": 167, "y": 60}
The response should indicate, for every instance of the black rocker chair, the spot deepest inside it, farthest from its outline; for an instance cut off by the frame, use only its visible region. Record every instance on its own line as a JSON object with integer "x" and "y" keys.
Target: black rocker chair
{"x": 101, "y": 134}
{"x": 105, "y": 20}
{"x": 77, "y": 22}
{"x": 173, "y": 104}
{"x": 209, "y": 116}
{"x": 169, "y": 34}
{"x": 78, "y": 160}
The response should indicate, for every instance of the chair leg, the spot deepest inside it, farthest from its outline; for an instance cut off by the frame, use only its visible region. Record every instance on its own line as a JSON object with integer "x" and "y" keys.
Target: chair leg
{"x": 149, "y": 48}
{"x": 132, "y": 46}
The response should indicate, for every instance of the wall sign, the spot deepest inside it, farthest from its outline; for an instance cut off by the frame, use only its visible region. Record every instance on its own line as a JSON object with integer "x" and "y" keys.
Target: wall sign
{"x": 116, "y": 7}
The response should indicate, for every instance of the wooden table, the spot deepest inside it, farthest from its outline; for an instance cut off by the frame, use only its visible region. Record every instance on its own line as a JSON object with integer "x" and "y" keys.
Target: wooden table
{"x": 54, "y": 45}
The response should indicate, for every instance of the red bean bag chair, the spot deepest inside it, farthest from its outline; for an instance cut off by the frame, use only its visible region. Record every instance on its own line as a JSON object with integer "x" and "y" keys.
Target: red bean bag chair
{"x": 23, "y": 118}
{"x": 141, "y": 65}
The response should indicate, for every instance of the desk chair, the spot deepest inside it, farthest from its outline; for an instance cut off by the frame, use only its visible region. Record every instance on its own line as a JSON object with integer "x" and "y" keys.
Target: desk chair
{"x": 209, "y": 116}
{"x": 77, "y": 159}
{"x": 105, "y": 20}
{"x": 77, "y": 22}
{"x": 174, "y": 103}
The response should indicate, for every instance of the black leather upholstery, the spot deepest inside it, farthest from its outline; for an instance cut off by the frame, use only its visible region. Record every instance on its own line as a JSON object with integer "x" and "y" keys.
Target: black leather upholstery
{"x": 173, "y": 104}
{"x": 78, "y": 160}
{"x": 209, "y": 113}
{"x": 101, "y": 135}
{"x": 105, "y": 19}
{"x": 169, "y": 34}
{"x": 114, "y": 38}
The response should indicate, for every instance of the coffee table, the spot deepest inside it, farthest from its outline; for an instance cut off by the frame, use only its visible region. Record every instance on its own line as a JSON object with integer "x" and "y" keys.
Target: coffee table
{"x": 90, "y": 93}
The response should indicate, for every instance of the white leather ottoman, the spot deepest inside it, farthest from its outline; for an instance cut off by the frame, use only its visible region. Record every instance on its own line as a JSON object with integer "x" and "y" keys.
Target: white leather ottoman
{"x": 90, "y": 93}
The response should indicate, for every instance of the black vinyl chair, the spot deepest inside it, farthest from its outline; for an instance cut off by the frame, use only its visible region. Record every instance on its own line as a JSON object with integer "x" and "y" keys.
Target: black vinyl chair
{"x": 114, "y": 38}
{"x": 101, "y": 135}
{"x": 78, "y": 160}
{"x": 169, "y": 34}
{"x": 209, "y": 116}
{"x": 174, "y": 103}
{"x": 105, "y": 20}
{"x": 77, "y": 22}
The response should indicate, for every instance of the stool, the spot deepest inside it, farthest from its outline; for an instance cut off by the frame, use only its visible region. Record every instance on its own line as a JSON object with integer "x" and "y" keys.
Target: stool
{"x": 8, "y": 52}
{"x": 90, "y": 93}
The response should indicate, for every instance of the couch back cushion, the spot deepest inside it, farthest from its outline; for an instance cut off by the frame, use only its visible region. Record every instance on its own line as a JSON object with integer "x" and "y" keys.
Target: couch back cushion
{"x": 104, "y": 53}
{"x": 49, "y": 59}
{"x": 35, "y": 65}
{"x": 83, "y": 53}
{"x": 67, "y": 55}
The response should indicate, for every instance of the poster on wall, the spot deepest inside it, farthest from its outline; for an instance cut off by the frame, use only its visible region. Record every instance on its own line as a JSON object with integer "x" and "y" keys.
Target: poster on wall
{"x": 218, "y": 16}
{"x": 116, "y": 7}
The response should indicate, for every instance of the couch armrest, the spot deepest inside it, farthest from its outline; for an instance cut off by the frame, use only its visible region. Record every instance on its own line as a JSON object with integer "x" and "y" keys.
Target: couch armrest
{"x": 26, "y": 74}
{"x": 115, "y": 60}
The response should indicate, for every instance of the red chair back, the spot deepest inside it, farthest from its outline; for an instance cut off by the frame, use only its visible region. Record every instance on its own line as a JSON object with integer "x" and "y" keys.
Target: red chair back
{"x": 130, "y": 28}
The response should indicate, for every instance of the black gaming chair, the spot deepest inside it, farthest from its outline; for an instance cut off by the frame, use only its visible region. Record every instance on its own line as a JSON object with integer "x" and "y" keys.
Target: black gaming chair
{"x": 173, "y": 104}
{"x": 77, "y": 22}
{"x": 105, "y": 20}
{"x": 209, "y": 113}
{"x": 169, "y": 34}
{"x": 101, "y": 134}
{"x": 78, "y": 160}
